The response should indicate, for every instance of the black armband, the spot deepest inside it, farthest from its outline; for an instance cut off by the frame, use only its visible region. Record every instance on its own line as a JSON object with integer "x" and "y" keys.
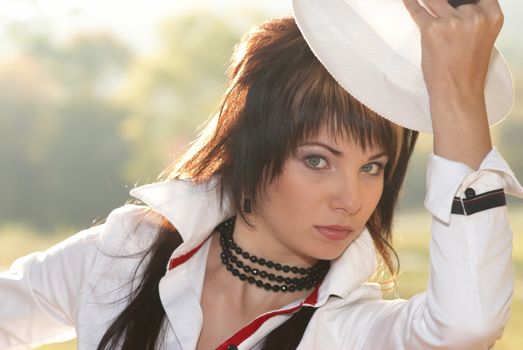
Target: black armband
{"x": 473, "y": 203}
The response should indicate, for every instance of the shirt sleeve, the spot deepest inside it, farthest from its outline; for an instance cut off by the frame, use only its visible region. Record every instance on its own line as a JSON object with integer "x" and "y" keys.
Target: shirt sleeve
{"x": 38, "y": 293}
{"x": 467, "y": 301}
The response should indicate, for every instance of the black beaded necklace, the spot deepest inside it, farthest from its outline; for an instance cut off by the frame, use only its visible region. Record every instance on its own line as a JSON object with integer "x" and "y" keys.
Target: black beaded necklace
{"x": 231, "y": 257}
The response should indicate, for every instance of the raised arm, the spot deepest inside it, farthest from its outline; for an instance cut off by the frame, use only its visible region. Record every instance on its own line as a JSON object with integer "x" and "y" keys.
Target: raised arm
{"x": 456, "y": 48}
{"x": 467, "y": 301}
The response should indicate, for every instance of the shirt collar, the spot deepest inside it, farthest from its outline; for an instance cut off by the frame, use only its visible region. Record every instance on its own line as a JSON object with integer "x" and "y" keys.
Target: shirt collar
{"x": 195, "y": 210}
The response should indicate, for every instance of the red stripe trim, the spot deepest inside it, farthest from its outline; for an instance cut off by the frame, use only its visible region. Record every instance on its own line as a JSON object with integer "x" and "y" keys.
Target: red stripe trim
{"x": 252, "y": 327}
{"x": 183, "y": 258}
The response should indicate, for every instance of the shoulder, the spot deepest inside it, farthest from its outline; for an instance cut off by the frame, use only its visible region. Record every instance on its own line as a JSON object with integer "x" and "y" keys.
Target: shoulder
{"x": 122, "y": 246}
{"x": 129, "y": 229}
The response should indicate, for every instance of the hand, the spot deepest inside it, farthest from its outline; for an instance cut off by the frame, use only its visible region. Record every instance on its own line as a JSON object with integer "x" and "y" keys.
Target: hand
{"x": 456, "y": 47}
{"x": 456, "y": 43}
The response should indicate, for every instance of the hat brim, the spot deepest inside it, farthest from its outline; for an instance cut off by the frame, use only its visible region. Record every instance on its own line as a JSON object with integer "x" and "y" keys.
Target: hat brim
{"x": 373, "y": 49}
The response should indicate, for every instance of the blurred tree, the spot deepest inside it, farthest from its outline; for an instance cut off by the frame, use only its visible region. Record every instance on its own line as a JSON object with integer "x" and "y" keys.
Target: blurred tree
{"x": 28, "y": 97}
{"x": 60, "y": 137}
{"x": 172, "y": 92}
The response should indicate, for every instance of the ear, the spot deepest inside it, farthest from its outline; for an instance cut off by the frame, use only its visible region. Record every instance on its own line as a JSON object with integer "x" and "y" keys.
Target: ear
{"x": 247, "y": 205}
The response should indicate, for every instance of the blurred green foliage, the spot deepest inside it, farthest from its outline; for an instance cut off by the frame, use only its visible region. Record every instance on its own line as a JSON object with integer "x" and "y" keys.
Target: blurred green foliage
{"x": 59, "y": 131}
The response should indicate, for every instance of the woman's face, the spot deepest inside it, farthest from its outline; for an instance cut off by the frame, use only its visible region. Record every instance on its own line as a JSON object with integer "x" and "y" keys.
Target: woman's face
{"x": 322, "y": 200}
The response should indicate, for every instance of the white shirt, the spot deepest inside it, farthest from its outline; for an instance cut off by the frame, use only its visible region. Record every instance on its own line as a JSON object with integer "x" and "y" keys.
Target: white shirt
{"x": 76, "y": 287}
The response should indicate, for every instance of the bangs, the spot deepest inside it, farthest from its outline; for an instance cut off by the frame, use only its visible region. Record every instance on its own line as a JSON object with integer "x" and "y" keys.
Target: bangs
{"x": 289, "y": 97}
{"x": 318, "y": 102}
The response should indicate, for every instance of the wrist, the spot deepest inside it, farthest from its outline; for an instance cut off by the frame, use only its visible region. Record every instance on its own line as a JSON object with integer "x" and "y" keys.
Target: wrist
{"x": 461, "y": 130}
{"x": 457, "y": 97}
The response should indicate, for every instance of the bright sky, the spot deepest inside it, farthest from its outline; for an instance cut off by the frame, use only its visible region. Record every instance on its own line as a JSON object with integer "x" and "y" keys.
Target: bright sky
{"x": 137, "y": 20}
{"x": 134, "y": 20}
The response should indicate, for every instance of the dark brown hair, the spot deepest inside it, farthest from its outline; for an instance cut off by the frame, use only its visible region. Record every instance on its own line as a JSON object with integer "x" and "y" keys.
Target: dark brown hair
{"x": 279, "y": 95}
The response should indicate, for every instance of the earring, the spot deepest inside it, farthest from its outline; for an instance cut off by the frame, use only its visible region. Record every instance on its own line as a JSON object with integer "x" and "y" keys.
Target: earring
{"x": 247, "y": 205}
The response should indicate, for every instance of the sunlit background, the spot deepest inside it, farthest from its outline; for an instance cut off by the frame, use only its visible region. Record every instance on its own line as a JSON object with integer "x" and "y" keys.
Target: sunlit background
{"x": 97, "y": 97}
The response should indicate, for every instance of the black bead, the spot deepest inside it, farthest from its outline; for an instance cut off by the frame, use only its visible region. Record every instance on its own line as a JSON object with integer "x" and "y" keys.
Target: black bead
{"x": 230, "y": 257}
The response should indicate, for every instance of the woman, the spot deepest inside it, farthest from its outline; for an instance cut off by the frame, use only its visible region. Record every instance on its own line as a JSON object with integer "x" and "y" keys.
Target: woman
{"x": 268, "y": 226}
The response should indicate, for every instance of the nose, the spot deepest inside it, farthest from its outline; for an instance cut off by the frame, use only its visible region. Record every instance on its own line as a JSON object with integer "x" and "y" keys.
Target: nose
{"x": 347, "y": 195}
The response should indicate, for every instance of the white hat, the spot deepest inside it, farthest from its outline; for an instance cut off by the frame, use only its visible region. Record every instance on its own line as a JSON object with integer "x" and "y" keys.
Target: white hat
{"x": 373, "y": 49}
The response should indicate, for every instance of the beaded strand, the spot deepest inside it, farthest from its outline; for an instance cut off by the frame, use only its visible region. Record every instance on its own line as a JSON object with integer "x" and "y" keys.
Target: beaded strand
{"x": 230, "y": 258}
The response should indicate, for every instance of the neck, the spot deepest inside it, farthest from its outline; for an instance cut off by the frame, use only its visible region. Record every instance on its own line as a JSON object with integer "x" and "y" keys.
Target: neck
{"x": 248, "y": 298}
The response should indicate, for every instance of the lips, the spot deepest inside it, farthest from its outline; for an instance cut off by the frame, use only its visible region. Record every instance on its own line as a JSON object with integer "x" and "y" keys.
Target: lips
{"x": 335, "y": 232}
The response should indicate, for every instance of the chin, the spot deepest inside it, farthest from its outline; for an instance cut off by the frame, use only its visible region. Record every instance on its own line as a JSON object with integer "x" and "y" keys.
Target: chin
{"x": 332, "y": 251}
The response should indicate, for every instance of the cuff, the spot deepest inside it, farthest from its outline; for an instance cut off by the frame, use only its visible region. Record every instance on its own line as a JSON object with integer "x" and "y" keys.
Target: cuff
{"x": 447, "y": 179}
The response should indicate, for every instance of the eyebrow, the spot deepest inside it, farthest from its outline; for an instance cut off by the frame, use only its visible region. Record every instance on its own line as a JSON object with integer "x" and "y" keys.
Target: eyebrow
{"x": 336, "y": 152}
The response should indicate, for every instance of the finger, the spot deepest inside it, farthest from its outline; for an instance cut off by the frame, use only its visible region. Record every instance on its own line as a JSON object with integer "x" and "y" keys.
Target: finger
{"x": 418, "y": 13}
{"x": 492, "y": 10}
{"x": 490, "y": 7}
{"x": 456, "y": 3}
{"x": 440, "y": 8}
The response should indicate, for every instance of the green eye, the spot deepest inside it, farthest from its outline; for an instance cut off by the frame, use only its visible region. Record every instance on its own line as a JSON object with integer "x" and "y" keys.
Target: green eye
{"x": 373, "y": 168}
{"x": 367, "y": 167}
{"x": 315, "y": 162}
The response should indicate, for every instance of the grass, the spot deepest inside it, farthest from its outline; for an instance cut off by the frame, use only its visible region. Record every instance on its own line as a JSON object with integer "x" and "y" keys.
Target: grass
{"x": 411, "y": 243}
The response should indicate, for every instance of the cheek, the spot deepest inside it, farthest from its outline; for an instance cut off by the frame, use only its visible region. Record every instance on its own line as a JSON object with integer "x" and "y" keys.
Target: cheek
{"x": 372, "y": 197}
{"x": 292, "y": 193}
{"x": 295, "y": 192}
